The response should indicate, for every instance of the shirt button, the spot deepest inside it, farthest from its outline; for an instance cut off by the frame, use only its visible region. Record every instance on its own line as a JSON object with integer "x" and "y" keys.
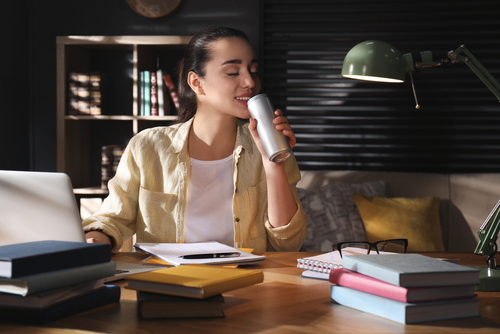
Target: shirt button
{"x": 237, "y": 219}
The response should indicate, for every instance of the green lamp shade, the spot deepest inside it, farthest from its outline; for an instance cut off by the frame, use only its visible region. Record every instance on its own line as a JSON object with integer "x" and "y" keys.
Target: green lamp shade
{"x": 374, "y": 61}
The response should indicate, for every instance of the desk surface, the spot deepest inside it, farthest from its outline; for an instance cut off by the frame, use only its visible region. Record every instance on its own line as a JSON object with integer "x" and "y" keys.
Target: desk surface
{"x": 283, "y": 303}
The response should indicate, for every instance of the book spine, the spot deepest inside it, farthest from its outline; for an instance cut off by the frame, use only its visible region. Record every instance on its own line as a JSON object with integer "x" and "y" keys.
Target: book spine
{"x": 100, "y": 297}
{"x": 59, "y": 260}
{"x": 95, "y": 93}
{"x": 32, "y": 284}
{"x": 161, "y": 99}
{"x": 154, "y": 94}
{"x": 172, "y": 90}
{"x": 106, "y": 167}
{"x": 142, "y": 88}
{"x": 110, "y": 159}
{"x": 353, "y": 280}
{"x": 147, "y": 93}
{"x": 72, "y": 93}
{"x": 83, "y": 88}
{"x": 365, "y": 302}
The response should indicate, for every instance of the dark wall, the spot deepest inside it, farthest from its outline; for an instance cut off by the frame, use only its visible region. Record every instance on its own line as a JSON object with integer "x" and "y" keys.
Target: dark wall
{"x": 14, "y": 86}
{"x": 28, "y": 137}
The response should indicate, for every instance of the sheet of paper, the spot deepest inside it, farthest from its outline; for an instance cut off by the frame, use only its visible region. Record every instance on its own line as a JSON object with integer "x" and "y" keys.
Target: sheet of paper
{"x": 172, "y": 252}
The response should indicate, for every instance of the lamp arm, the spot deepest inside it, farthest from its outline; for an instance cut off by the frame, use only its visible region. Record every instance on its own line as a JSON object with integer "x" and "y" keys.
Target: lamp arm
{"x": 468, "y": 58}
{"x": 488, "y": 233}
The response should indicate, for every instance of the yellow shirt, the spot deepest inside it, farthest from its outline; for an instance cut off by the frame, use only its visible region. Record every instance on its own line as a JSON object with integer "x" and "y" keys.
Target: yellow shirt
{"x": 147, "y": 196}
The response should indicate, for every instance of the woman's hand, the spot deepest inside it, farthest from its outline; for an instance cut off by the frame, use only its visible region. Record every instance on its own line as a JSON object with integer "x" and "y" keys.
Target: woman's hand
{"x": 280, "y": 123}
{"x": 97, "y": 237}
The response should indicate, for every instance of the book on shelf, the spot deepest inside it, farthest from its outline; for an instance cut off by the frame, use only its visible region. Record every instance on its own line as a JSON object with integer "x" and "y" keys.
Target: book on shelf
{"x": 169, "y": 83}
{"x": 351, "y": 279}
{"x": 110, "y": 159}
{"x": 154, "y": 94}
{"x": 72, "y": 93}
{"x": 156, "y": 306}
{"x": 142, "y": 91}
{"x": 175, "y": 253}
{"x": 405, "y": 313}
{"x": 49, "y": 298}
{"x": 84, "y": 93}
{"x": 32, "y": 284}
{"x": 30, "y": 258}
{"x": 145, "y": 93}
{"x": 411, "y": 270}
{"x": 163, "y": 108}
{"x": 86, "y": 301}
{"x": 194, "y": 281}
{"x": 95, "y": 93}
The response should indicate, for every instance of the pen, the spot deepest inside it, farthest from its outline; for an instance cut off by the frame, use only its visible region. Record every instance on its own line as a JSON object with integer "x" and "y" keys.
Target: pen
{"x": 209, "y": 255}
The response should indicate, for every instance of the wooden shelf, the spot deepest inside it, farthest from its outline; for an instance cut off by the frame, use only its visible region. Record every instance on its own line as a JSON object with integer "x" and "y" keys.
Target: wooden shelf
{"x": 120, "y": 60}
{"x": 119, "y": 118}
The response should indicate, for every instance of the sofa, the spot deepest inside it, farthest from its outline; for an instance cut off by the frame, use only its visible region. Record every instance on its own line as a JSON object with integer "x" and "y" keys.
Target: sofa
{"x": 461, "y": 204}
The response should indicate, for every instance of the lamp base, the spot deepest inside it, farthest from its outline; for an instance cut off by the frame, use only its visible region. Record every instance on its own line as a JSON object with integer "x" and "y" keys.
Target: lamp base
{"x": 489, "y": 279}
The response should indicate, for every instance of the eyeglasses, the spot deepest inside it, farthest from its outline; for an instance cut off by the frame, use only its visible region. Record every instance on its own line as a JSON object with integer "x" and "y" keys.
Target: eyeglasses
{"x": 390, "y": 245}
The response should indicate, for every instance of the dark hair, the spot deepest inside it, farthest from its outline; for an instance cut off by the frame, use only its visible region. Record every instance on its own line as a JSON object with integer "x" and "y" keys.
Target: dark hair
{"x": 196, "y": 55}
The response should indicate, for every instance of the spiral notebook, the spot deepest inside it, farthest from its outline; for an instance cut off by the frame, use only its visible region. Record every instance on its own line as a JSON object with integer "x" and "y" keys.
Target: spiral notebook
{"x": 319, "y": 266}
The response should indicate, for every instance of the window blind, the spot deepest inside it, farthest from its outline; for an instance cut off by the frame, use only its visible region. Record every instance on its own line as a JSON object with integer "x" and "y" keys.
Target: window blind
{"x": 345, "y": 124}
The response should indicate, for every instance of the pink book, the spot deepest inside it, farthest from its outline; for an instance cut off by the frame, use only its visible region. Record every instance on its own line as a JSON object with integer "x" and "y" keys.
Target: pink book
{"x": 360, "y": 282}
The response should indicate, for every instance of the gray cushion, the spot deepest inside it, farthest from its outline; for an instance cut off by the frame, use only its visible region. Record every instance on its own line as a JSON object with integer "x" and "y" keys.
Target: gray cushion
{"x": 332, "y": 215}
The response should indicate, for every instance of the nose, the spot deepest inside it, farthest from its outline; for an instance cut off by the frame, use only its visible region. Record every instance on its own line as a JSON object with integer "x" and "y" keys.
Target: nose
{"x": 248, "y": 81}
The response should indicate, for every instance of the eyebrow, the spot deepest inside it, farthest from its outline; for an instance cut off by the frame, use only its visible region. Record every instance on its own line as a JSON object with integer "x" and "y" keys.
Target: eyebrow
{"x": 237, "y": 61}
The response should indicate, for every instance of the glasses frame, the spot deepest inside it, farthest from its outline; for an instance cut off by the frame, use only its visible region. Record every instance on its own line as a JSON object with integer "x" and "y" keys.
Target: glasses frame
{"x": 337, "y": 247}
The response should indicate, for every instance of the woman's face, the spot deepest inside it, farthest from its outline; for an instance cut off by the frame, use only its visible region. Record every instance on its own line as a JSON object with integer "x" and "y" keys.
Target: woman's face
{"x": 231, "y": 77}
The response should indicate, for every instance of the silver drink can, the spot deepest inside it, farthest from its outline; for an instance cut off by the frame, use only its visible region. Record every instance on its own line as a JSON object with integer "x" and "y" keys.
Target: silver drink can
{"x": 275, "y": 144}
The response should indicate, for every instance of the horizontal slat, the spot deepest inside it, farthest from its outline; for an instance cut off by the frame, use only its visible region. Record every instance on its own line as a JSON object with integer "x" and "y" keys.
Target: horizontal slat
{"x": 348, "y": 124}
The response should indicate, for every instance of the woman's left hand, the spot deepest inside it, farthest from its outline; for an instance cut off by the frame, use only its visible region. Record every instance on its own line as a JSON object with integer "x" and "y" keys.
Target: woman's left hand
{"x": 280, "y": 123}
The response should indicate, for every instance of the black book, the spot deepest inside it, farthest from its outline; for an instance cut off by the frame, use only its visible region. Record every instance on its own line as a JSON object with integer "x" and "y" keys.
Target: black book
{"x": 156, "y": 305}
{"x": 87, "y": 301}
{"x": 37, "y": 257}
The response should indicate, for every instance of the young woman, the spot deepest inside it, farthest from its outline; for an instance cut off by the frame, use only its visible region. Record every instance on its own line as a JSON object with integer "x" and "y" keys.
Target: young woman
{"x": 207, "y": 177}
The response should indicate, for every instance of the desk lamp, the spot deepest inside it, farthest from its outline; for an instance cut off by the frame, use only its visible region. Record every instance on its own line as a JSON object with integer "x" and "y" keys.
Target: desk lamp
{"x": 380, "y": 61}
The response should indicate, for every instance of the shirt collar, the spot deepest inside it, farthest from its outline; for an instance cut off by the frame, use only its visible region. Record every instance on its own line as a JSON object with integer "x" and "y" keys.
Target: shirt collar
{"x": 243, "y": 136}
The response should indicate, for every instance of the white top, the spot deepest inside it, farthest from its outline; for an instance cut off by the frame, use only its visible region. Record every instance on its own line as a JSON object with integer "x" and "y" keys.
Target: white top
{"x": 209, "y": 210}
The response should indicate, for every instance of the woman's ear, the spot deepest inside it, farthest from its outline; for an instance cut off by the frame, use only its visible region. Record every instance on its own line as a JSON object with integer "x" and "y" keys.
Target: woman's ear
{"x": 194, "y": 82}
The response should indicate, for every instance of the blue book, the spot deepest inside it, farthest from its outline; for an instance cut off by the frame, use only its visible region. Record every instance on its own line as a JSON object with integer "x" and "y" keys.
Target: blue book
{"x": 147, "y": 93}
{"x": 36, "y": 257}
{"x": 28, "y": 285}
{"x": 87, "y": 301}
{"x": 411, "y": 270}
{"x": 405, "y": 313}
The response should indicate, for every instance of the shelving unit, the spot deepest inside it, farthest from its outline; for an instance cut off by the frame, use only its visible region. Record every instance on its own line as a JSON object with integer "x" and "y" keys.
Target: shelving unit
{"x": 119, "y": 59}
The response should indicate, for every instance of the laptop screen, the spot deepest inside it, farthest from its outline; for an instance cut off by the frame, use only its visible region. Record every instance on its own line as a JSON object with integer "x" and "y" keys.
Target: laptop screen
{"x": 38, "y": 206}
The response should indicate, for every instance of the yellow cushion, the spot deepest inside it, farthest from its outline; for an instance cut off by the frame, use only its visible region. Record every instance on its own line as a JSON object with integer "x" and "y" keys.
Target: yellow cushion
{"x": 415, "y": 219}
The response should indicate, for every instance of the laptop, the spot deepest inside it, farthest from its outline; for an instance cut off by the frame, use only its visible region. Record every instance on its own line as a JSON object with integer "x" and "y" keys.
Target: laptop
{"x": 42, "y": 206}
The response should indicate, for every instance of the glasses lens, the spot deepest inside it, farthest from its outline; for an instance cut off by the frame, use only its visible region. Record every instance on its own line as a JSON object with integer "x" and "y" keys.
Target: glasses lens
{"x": 394, "y": 246}
{"x": 361, "y": 245}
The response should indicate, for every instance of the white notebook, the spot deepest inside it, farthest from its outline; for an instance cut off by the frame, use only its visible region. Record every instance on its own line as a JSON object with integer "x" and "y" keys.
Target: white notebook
{"x": 323, "y": 263}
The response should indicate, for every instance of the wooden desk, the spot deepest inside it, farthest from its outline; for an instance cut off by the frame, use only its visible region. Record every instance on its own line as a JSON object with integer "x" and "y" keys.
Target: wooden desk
{"x": 283, "y": 303}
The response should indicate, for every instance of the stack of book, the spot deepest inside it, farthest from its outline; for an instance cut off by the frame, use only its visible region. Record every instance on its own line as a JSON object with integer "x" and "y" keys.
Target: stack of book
{"x": 155, "y": 87}
{"x": 188, "y": 291}
{"x": 406, "y": 288}
{"x": 110, "y": 159}
{"x": 84, "y": 93}
{"x": 42, "y": 281}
